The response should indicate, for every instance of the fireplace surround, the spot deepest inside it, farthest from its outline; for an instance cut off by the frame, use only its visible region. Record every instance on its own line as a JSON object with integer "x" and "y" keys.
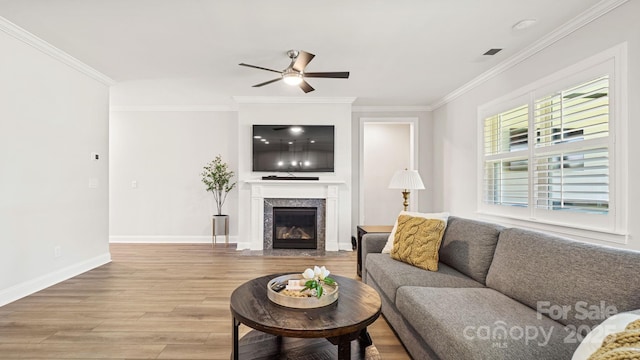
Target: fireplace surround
{"x": 326, "y": 192}
{"x": 294, "y": 205}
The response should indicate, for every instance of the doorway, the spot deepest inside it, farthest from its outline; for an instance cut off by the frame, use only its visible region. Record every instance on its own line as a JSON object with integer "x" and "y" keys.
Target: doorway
{"x": 386, "y": 146}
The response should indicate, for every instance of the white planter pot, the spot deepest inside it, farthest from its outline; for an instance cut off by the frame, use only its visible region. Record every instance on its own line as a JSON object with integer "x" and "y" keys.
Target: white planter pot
{"x": 220, "y": 226}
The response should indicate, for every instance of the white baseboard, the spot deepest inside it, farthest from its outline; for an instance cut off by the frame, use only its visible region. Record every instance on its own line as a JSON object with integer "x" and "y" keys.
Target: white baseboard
{"x": 345, "y": 247}
{"x": 136, "y": 239}
{"x": 31, "y": 286}
{"x": 244, "y": 245}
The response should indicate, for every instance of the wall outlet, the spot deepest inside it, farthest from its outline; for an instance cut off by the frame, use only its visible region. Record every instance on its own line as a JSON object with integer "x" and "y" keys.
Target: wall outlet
{"x": 134, "y": 184}
{"x": 95, "y": 156}
{"x": 57, "y": 251}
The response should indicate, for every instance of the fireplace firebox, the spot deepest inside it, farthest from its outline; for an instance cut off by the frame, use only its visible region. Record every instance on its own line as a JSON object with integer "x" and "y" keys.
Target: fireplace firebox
{"x": 295, "y": 228}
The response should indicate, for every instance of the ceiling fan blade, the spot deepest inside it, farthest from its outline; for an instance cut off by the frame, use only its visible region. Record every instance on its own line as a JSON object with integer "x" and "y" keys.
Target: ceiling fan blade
{"x": 267, "y": 82}
{"x": 258, "y": 67}
{"x": 333, "y": 75}
{"x": 306, "y": 87}
{"x": 302, "y": 60}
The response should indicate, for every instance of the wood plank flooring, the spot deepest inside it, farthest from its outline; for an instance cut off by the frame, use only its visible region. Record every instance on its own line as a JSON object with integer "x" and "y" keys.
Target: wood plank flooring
{"x": 154, "y": 301}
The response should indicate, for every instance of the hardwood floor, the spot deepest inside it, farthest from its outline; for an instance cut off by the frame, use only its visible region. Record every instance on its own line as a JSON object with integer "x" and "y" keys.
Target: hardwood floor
{"x": 154, "y": 301}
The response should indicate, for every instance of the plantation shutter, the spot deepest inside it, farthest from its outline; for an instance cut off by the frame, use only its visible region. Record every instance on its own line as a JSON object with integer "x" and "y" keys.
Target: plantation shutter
{"x": 571, "y": 154}
{"x": 506, "y": 164}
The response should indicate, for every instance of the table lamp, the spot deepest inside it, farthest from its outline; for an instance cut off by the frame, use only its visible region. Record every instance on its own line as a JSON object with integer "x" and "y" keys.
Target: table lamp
{"x": 406, "y": 180}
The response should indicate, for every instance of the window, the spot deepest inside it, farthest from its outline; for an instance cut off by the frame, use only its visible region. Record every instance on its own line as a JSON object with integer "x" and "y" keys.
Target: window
{"x": 549, "y": 153}
{"x": 571, "y": 153}
{"x": 506, "y": 181}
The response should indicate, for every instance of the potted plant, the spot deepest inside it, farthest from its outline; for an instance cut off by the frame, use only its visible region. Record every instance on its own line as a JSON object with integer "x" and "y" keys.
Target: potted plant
{"x": 217, "y": 177}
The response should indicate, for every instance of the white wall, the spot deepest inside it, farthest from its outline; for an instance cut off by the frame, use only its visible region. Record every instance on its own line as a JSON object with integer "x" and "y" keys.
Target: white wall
{"x": 51, "y": 118}
{"x": 164, "y": 152}
{"x": 455, "y": 137}
{"x": 300, "y": 111}
{"x": 163, "y": 148}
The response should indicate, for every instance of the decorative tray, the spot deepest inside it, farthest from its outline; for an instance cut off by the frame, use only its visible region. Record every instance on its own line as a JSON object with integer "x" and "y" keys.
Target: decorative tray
{"x": 329, "y": 296}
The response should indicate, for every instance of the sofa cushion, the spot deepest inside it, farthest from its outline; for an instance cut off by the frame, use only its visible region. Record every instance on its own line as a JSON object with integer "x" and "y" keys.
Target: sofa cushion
{"x": 391, "y": 274}
{"x": 573, "y": 282}
{"x": 481, "y": 323}
{"x": 417, "y": 241}
{"x": 468, "y": 246}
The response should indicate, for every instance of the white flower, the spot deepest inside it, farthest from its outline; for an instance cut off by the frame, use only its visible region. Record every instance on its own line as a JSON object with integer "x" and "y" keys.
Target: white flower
{"x": 323, "y": 273}
{"x": 315, "y": 279}
{"x": 309, "y": 274}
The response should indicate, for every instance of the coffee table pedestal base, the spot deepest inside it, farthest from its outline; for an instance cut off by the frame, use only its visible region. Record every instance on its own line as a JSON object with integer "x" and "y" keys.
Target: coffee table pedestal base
{"x": 260, "y": 346}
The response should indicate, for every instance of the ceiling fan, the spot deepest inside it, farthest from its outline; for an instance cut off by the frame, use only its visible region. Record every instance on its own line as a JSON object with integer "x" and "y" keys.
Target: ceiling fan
{"x": 294, "y": 74}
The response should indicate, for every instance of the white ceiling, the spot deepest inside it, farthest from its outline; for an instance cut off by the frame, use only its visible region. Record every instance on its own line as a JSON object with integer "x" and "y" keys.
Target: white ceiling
{"x": 399, "y": 53}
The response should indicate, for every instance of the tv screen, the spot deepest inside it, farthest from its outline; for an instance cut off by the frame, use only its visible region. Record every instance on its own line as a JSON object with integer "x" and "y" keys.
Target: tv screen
{"x": 293, "y": 148}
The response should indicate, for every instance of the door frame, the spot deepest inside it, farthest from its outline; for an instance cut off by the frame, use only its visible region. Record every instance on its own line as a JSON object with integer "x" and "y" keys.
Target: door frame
{"x": 413, "y": 155}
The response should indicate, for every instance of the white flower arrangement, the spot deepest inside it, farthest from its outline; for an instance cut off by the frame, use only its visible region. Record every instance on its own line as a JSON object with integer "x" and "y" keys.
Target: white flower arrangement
{"x": 315, "y": 278}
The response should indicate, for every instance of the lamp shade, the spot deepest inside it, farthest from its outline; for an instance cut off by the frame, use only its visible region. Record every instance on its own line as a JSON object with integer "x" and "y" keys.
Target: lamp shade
{"x": 406, "y": 179}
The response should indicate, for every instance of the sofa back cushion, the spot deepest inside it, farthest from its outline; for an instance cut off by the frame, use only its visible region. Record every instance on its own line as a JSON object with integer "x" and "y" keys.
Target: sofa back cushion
{"x": 468, "y": 246}
{"x": 575, "y": 283}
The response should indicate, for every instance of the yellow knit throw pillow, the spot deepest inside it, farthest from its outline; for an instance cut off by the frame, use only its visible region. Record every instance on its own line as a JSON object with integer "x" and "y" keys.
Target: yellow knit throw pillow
{"x": 417, "y": 241}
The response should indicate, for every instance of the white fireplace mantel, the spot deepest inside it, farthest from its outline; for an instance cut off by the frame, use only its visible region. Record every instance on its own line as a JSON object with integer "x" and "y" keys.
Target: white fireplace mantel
{"x": 294, "y": 189}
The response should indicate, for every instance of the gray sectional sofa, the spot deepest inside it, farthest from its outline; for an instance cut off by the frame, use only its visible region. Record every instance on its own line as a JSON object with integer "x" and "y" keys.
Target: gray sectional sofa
{"x": 501, "y": 293}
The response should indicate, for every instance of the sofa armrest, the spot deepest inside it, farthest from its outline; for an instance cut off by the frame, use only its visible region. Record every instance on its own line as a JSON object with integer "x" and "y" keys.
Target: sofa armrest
{"x": 371, "y": 243}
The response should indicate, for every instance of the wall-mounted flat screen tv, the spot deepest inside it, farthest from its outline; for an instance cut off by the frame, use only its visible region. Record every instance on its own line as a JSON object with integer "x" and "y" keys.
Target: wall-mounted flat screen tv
{"x": 293, "y": 148}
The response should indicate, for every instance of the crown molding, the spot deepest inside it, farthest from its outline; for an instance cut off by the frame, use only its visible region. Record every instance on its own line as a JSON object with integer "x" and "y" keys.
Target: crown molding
{"x": 563, "y": 31}
{"x": 292, "y": 100}
{"x": 176, "y": 108}
{"x": 265, "y": 100}
{"x": 391, "y": 108}
{"x": 28, "y": 38}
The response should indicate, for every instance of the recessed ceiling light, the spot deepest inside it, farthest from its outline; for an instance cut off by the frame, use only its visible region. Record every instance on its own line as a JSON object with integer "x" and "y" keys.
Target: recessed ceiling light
{"x": 257, "y": 137}
{"x": 295, "y": 129}
{"x": 523, "y": 24}
{"x": 263, "y": 140}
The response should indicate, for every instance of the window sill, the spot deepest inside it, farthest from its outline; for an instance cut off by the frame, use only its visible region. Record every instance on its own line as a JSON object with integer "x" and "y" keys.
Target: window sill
{"x": 580, "y": 234}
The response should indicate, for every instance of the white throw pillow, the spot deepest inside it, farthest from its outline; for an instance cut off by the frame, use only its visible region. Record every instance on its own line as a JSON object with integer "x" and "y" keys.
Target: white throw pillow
{"x": 444, "y": 216}
{"x": 593, "y": 341}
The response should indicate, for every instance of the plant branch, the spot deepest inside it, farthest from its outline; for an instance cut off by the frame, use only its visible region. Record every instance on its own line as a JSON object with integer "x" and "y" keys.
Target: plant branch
{"x": 217, "y": 177}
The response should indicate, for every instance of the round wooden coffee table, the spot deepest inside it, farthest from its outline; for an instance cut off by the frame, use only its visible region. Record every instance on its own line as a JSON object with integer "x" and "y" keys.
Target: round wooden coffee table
{"x": 282, "y": 332}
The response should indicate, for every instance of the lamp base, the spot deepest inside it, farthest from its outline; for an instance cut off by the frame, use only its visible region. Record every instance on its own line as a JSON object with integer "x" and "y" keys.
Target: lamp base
{"x": 405, "y": 196}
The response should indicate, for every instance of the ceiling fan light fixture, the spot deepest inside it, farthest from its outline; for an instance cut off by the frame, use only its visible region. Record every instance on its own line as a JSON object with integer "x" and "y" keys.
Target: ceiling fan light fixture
{"x": 292, "y": 78}
{"x": 295, "y": 74}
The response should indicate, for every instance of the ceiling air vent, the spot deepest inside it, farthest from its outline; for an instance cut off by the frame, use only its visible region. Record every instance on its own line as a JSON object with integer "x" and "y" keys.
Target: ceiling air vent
{"x": 492, "y": 51}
